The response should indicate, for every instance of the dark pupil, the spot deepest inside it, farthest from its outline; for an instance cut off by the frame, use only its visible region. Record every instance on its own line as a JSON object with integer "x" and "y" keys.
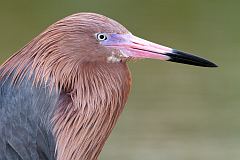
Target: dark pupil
{"x": 102, "y": 37}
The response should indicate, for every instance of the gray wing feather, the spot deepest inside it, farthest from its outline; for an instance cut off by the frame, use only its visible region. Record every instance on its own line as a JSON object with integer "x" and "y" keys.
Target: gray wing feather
{"x": 25, "y": 128}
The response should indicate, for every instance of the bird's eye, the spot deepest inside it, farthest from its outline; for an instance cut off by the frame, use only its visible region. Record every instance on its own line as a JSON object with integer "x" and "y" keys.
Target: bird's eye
{"x": 102, "y": 36}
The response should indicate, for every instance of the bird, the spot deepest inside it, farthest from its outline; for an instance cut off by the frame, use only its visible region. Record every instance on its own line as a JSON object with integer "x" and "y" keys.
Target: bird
{"x": 62, "y": 93}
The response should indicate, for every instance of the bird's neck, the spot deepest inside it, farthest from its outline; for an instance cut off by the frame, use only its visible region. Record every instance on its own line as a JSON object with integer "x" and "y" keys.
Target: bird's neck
{"x": 87, "y": 113}
{"x": 92, "y": 97}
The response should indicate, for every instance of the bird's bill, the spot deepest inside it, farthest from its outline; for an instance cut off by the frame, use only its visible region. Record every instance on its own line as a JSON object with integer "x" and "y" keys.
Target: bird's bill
{"x": 133, "y": 46}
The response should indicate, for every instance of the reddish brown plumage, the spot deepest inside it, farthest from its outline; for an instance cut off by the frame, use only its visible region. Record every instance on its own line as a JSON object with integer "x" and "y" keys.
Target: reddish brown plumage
{"x": 68, "y": 58}
{"x": 83, "y": 123}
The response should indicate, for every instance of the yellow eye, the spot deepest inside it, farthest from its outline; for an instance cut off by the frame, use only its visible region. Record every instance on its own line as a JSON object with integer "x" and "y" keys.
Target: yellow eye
{"x": 102, "y": 36}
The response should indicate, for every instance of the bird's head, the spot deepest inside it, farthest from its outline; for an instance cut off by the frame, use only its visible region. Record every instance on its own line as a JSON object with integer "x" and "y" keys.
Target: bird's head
{"x": 93, "y": 37}
{"x": 65, "y": 47}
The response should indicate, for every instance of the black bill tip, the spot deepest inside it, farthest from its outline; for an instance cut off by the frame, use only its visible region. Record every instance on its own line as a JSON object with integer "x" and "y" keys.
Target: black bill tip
{"x": 185, "y": 58}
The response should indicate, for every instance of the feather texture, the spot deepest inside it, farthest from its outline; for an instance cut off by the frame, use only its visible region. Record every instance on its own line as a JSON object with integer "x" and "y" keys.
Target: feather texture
{"x": 25, "y": 116}
{"x": 60, "y": 92}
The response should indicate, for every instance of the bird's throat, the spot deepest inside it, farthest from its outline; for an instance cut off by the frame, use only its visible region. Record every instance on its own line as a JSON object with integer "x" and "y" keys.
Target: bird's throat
{"x": 87, "y": 115}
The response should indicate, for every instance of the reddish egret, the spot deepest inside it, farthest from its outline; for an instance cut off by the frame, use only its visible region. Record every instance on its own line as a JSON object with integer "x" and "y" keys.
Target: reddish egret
{"x": 61, "y": 94}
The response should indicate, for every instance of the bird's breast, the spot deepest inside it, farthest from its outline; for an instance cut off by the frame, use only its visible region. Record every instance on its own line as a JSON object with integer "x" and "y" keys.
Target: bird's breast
{"x": 86, "y": 116}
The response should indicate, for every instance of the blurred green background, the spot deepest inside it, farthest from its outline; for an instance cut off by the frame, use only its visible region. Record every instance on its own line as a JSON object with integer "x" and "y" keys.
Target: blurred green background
{"x": 174, "y": 112}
